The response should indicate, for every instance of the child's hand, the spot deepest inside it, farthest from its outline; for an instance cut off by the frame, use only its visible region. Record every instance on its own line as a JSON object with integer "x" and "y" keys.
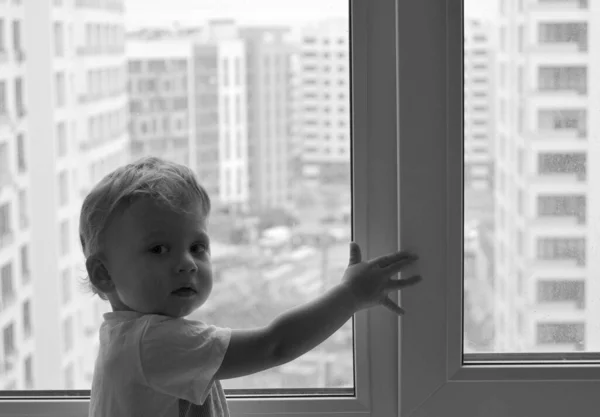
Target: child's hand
{"x": 371, "y": 281}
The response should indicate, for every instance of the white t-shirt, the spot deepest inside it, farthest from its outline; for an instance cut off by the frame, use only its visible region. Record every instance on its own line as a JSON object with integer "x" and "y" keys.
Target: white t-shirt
{"x": 153, "y": 365}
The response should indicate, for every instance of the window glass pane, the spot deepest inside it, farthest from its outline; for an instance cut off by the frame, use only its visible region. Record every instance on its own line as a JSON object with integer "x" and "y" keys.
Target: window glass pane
{"x": 254, "y": 96}
{"x": 531, "y": 248}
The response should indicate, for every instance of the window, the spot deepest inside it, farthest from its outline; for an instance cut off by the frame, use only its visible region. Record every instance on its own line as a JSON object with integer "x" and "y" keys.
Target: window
{"x": 23, "y": 210}
{"x": 563, "y": 78}
{"x": 2, "y": 37}
{"x": 8, "y": 290}
{"x": 25, "y": 272}
{"x": 58, "y": 39}
{"x": 66, "y": 285}
{"x": 27, "y": 318}
{"x": 560, "y": 249}
{"x": 576, "y": 33}
{"x": 64, "y": 238}
{"x": 16, "y": 26}
{"x": 561, "y": 163}
{"x": 61, "y": 139}
{"x": 500, "y": 362}
{"x": 225, "y": 69}
{"x": 561, "y": 333}
{"x": 429, "y": 186}
{"x": 28, "y": 372}
{"x": 60, "y": 89}
{"x": 5, "y": 227}
{"x": 562, "y": 206}
{"x": 67, "y": 330}
{"x": 63, "y": 188}
{"x": 8, "y": 341}
{"x": 555, "y": 291}
{"x": 21, "y": 157}
{"x": 3, "y": 94}
{"x": 564, "y": 120}
{"x": 19, "y": 97}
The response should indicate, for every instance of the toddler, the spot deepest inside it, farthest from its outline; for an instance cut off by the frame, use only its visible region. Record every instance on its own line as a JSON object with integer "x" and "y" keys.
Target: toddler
{"x": 144, "y": 234}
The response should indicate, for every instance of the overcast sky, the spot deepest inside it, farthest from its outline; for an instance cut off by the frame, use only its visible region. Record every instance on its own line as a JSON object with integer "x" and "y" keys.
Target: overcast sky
{"x": 164, "y": 12}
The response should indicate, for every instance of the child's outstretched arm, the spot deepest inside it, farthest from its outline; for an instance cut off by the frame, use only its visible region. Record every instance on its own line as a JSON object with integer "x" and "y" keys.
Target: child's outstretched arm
{"x": 301, "y": 329}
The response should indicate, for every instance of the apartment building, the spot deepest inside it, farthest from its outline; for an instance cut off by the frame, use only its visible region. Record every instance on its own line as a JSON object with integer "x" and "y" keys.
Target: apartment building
{"x": 478, "y": 105}
{"x": 62, "y": 127}
{"x": 160, "y": 92}
{"x": 546, "y": 192}
{"x": 220, "y": 97}
{"x": 16, "y": 321}
{"x": 324, "y": 125}
{"x": 268, "y": 81}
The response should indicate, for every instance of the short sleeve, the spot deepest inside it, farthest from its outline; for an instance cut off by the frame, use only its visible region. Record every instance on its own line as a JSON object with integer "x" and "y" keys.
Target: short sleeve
{"x": 180, "y": 357}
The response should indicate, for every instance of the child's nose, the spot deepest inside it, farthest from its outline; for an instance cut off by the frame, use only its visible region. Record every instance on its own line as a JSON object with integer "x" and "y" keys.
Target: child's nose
{"x": 187, "y": 263}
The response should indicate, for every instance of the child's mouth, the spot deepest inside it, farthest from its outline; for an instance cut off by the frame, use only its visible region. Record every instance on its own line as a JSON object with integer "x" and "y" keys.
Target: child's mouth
{"x": 184, "y": 292}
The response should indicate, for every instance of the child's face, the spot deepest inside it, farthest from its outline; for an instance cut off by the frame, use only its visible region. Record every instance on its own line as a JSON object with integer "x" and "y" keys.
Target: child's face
{"x": 152, "y": 251}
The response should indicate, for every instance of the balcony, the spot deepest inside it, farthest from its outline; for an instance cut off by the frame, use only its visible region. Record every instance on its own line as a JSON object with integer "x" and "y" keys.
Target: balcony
{"x": 559, "y": 5}
{"x": 560, "y": 178}
{"x": 560, "y": 47}
{"x": 557, "y": 134}
{"x": 559, "y": 220}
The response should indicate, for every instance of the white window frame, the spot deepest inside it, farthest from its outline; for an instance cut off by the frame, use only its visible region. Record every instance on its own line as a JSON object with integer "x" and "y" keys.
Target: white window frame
{"x": 375, "y": 228}
{"x": 434, "y": 381}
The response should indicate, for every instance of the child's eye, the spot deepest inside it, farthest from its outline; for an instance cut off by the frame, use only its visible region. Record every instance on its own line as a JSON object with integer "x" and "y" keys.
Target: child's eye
{"x": 200, "y": 247}
{"x": 158, "y": 249}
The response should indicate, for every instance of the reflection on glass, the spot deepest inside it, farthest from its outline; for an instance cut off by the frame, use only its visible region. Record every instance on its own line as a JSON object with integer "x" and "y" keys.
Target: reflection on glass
{"x": 529, "y": 127}
{"x": 257, "y": 104}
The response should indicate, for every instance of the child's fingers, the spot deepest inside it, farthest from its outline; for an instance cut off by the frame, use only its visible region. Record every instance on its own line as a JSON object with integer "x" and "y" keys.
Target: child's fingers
{"x": 398, "y": 284}
{"x": 355, "y": 254}
{"x": 399, "y": 258}
{"x": 397, "y": 266}
{"x": 392, "y": 306}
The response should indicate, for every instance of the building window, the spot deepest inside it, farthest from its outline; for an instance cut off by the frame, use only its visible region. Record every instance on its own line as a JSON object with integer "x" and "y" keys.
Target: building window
{"x": 8, "y": 341}
{"x": 66, "y": 285}
{"x": 63, "y": 188}
{"x": 60, "y": 89}
{"x": 27, "y": 318}
{"x": 8, "y": 290}
{"x": 19, "y": 97}
{"x": 64, "y": 238}
{"x": 5, "y": 229}
{"x": 58, "y": 39}
{"x": 554, "y": 291}
{"x": 21, "y": 157}
{"x": 561, "y": 333}
{"x": 563, "y": 206}
{"x": 16, "y": 25}
{"x": 69, "y": 377}
{"x": 67, "y": 329}
{"x": 238, "y": 72}
{"x": 562, "y": 249}
{"x": 28, "y": 372}
{"x": 564, "y": 119}
{"x": 2, "y": 37}
{"x": 23, "y": 210}
{"x": 563, "y": 79}
{"x": 569, "y": 32}
{"x": 225, "y": 72}
{"x": 61, "y": 139}
{"x": 25, "y": 270}
{"x": 3, "y": 107}
{"x": 563, "y": 163}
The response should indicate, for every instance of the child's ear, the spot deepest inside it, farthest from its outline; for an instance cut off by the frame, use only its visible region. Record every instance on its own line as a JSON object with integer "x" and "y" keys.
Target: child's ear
{"x": 98, "y": 273}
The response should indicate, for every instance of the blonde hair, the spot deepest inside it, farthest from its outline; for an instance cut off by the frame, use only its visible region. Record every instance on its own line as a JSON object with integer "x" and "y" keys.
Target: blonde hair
{"x": 166, "y": 182}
